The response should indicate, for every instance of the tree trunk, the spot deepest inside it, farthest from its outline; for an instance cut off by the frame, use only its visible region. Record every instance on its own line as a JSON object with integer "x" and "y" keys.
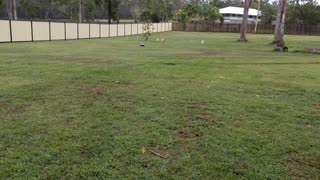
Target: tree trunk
{"x": 280, "y": 22}
{"x": 14, "y": 9}
{"x": 243, "y": 31}
{"x": 109, "y": 11}
{"x": 80, "y": 11}
{"x": 257, "y": 18}
{"x": 9, "y": 9}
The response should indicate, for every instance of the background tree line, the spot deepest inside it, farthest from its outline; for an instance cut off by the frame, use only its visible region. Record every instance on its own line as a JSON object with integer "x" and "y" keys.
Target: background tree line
{"x": 89, "y": 10}
{"x": 298, "y": 11}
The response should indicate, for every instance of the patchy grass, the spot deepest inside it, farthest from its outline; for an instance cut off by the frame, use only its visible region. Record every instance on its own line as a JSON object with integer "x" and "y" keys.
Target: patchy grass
{"x": 223, "y": 110}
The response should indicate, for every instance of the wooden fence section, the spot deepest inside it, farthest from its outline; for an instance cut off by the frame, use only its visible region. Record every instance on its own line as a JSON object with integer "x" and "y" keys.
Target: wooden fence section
{"x": 28, "y": 31}
{"x": 297, "y": 29}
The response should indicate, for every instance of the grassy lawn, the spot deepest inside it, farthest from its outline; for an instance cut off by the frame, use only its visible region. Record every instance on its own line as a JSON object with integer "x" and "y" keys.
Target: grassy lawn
{"x": 223, "y": 110}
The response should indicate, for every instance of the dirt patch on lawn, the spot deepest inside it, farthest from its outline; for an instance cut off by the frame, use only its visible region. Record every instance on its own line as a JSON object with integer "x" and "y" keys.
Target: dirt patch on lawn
{"x": 200, "y": 118}
{"x": 304, "y": 167}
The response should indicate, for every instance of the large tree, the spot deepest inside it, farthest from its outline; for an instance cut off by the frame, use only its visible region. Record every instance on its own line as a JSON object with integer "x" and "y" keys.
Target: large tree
{"x": 278, "y": 40}
{"x": 243, "y": 30}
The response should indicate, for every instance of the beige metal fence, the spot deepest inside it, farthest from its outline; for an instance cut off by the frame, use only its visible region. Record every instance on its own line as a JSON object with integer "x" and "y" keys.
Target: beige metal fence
{"x": 28, "y": 31}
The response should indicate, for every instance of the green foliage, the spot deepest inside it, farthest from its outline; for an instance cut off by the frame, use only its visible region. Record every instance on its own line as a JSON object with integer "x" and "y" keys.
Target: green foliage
{"x": 190, "y": 9}
{"x": 182, "y": 16}
{"x": 269, "y": 12}
{"x": 155, "y": 17}
{"x": 305, "y": 13}
{"x": 89, "y": 9}
{"x": 208, "y": 12}
{"x": 145, "y": 15}
{"x": 147, "y": 28}
{"x": 212, "y": 13}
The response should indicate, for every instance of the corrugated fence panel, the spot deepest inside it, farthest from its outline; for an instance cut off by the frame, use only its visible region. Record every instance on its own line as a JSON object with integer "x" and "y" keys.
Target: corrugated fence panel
{"x": 128, "y": 29}
{"x": 41, "y": 31}
{"x": 57, "y": 31}
{"x": 121, "y": 29}
{"x": 140, "y": 28}
{"x": 21, "y": 31}
{"x": 155, "y": 26}
{"x": 113, "y": 30}
{"x": 83, "y": 31}
{"x": 72, "y": 31}
{"x": 104, "y": 30}
{"x": 94, "y": 30}
{"x": 134, "y": 29}
{"x": 163, "y": 27}
{"x": 4, "y": 31}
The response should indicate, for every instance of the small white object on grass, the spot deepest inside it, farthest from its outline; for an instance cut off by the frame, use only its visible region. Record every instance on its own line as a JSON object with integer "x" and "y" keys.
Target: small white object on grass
{"x": 202, "y": 42}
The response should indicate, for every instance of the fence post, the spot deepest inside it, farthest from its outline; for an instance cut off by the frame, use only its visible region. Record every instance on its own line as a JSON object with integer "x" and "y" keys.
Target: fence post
{"x": 137, "y": 28}
{"x": 99, "y": 30}
{"x": 10, "y": 27}
{"x": 78, "y": 31}
{"x": 50, "y": 31}
{"x": 31, "y": 22}
{"x": 109, "y": 30}
{"x": 131, "y": 28}
{"x": 117, "y": 29}
{"x": 124, "y": 27}
{"x": 65, "y": 31}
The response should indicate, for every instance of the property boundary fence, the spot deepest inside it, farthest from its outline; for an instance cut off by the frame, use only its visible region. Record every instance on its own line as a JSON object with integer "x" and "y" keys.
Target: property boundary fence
{"x": 296, "y": 29}
{"x": 29, "y": 31}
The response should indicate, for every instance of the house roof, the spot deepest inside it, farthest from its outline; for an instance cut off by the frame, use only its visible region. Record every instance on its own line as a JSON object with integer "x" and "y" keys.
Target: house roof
{"x": 238, "y": 10}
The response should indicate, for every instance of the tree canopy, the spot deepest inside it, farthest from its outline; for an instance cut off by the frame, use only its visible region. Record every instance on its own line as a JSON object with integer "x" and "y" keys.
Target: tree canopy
{"x": 299, "y": 11}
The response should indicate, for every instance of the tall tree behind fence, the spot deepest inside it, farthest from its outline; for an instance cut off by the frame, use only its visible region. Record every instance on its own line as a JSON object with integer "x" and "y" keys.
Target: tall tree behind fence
{"x": 297, "y": 29}
{"x": 28, "y": 31}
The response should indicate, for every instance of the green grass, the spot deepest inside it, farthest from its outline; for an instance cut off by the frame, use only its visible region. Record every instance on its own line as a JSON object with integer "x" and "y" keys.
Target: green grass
{"x": 223, "y": 110}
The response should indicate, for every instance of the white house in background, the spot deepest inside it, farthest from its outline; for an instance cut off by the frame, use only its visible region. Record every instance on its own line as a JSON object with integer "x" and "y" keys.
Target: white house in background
{"x": 233, "y": 15}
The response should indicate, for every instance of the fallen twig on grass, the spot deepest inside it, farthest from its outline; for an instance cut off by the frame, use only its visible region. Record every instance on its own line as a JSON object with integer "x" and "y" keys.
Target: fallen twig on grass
{"x": 157, "y": 154}
{"x": 144, "y": 150}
